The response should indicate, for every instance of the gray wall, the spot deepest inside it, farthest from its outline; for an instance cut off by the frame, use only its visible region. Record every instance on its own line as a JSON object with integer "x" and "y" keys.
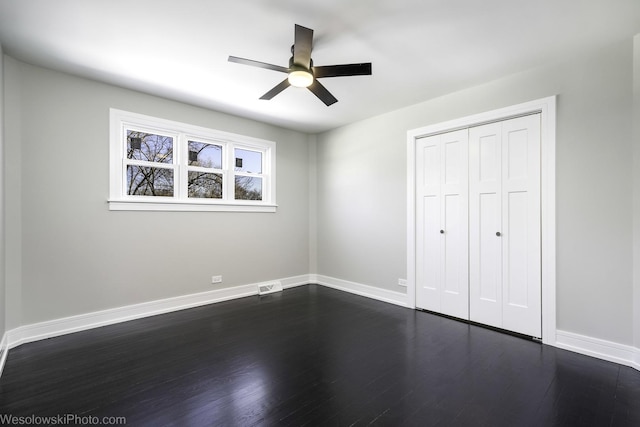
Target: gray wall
{"x": 2, "y": 233}
{"x": 362, "y": 186}
{"x": 12, "y": 195}
{"x": 70, "y": 255}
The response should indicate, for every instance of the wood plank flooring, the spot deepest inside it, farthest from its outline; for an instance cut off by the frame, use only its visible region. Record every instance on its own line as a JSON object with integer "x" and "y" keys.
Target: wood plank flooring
{"x": 312, "y": 356}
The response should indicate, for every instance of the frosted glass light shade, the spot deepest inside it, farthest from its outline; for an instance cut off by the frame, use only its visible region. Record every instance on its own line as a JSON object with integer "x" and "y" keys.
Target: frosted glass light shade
{"x": 300, "y": 78}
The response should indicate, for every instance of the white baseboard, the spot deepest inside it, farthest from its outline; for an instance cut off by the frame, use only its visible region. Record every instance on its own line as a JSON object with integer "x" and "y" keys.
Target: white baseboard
{"x": 385, "y": 295}
{"x": 292, "y": 282}
{"x": 601, "y": 349}
{"x": 4, "y": 350}
{"x": 67, "y": 325}
{"x": 614, "y": 352}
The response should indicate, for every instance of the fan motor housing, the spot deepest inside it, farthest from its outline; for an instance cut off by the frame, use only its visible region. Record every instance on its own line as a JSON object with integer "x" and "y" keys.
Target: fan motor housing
{"x": 296, "y": 67}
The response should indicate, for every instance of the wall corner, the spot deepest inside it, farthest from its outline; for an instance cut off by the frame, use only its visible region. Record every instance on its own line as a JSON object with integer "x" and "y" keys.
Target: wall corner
{"x": 312, "y": 143}
{"x": 636, "y": 191}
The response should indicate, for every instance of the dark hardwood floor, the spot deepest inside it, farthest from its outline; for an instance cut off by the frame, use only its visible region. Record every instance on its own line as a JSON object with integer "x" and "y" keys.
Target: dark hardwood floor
{"x": 314, "y": 356}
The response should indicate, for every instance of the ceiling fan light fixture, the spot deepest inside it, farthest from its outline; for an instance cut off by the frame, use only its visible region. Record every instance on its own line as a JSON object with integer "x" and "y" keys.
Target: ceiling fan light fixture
{"x": 301, "y": 71}
{"x": 300, "y": 78}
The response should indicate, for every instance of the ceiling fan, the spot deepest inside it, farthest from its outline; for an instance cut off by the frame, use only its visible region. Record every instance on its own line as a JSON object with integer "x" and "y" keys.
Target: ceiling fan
{"x": 301, "y": 71}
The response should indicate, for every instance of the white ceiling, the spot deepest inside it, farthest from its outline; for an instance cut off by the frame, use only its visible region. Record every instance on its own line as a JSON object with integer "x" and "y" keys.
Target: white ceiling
{"x": 420, "y": 49}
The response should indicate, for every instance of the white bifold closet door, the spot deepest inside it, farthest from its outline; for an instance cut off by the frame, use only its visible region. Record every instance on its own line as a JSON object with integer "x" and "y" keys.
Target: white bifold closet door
{"x": 504, "y": 225}
{"x": 442, "y": 240}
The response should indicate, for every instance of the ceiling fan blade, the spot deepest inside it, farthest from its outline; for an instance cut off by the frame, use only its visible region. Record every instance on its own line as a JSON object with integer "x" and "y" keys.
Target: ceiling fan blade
{"x": 276, "y": 90}
{"x": 258, "y": 64}
{"x": 302, "y": 46}
{"x": 362, "y": 69}
{"x": 322, "y": 93}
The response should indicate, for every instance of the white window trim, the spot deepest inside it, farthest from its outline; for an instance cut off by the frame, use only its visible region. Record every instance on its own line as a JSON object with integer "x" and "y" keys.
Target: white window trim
{"x": 119, "y": 200}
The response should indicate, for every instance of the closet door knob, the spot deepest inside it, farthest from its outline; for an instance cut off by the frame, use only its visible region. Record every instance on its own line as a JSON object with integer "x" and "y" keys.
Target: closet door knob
{"x": 498, "y": 234}
{"x": 441, "y": 231}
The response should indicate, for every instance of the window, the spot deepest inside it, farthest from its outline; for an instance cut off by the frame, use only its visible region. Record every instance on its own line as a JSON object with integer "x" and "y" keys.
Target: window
{"x": 158, "y": 164}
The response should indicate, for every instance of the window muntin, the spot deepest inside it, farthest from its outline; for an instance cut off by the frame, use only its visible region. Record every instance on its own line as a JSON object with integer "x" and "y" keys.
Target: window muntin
{"x": 157, "y": 164}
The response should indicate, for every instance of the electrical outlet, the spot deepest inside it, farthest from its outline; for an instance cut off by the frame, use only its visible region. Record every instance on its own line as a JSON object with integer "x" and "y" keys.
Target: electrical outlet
{"x": 402, "y": 282}
{"x": 216, "y": 279}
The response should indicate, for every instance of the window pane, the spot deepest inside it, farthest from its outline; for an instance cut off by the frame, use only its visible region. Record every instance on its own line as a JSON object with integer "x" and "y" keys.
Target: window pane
{"x": 248, "y": 188}
{"x": 146, "y": 181}
{"x": 149, "y": 147}
{"x": 248, "y": 161}
{"x": 205, "y": 185}
{"x": 205, "y": 155}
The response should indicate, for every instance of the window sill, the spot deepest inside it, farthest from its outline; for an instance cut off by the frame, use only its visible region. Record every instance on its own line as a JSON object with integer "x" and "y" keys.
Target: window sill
{"x": 182, "y": 206}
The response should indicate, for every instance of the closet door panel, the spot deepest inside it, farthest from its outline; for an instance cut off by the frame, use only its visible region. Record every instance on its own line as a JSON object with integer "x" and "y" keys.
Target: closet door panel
{"x": 455, "y": 263}
{"x": 515, "y": 253}
{"x": 452, "y": 245}
{"x": 442, "y": 229}
{"x": 430, "y": 277}
{"x": 485, "y": 207}
{"x": 428, "y": 242}
{"x": 455, "y": 292}
{"x": 521, "y": 223}
{"x": 429, "y": 163}
{"x": 489, "y": 250}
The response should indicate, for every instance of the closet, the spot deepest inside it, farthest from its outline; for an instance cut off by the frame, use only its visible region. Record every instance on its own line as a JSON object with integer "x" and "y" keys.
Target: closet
{"x": 478, "y": 252}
